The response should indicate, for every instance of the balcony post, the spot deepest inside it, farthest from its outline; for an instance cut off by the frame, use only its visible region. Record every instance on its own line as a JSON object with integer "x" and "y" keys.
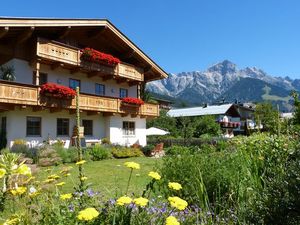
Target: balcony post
{"x": 37, "y": 73}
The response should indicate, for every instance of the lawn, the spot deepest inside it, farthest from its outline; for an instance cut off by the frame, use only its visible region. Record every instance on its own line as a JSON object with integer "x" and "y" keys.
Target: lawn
{"x": 108, "y": 176}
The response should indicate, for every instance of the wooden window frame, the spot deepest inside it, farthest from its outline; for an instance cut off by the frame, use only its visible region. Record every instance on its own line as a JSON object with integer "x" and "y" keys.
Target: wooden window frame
{"x": 68, "y": 128}
{"x": 40, "y": 128}
{"x": 41, "y": 74}
{"x": 127, "y": 129}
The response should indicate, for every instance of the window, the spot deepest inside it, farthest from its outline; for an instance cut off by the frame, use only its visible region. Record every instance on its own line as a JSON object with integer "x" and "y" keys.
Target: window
{"x": 88, "y": 127}
{"x": 33, "y": 126}
{"x": 100, "y": 89}
{"x": 123, "y": 93}
{"x": 128, "y": 128}
{"x": 43, "y": 78}
{"x": 74, "y": 83}
{"x": 62, "y": 127}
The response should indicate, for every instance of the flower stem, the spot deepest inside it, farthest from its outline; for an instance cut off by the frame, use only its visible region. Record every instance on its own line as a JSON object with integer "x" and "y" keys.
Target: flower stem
{"x": 129, "y": 181}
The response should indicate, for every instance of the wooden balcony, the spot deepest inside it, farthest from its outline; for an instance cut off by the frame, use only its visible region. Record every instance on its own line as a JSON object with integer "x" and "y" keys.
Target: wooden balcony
{"x": 12, "y": 93}
{"x": 52, "y": 52}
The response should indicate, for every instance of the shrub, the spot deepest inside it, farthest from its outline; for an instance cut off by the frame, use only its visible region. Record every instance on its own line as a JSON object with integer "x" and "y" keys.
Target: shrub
{"x": 105, "y": 141}
{"x": 147, "y": 149}
{"x": 179, "y": 150}
{"x": 126, "y": 152}
{"x": 48, "y": 156}
{"x": 99, "y": 152}
{"x": 67, "y": 155}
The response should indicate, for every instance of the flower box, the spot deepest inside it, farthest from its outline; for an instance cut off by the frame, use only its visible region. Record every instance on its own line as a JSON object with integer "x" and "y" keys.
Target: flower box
{"x": 92, "y": 55}
{"x": 57, "y": 91}
{"x": 129, "y": 101}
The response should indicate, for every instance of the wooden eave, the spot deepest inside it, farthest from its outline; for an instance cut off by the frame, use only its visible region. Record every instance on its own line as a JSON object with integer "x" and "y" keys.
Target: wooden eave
{"x": 97, "y": 28}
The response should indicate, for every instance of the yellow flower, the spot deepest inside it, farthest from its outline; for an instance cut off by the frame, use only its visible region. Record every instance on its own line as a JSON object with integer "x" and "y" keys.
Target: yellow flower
{"x": 154, "y": 175}
{"x": 49, "y": 181}
{"x": 88, "y": 214}
{"x": 132, "y": 165}
{"x": 24, "y": 170}
{"x": 2, "y": 172}
{"x": 60, "y": 184}
{"x": 18, "y": 190}
{"x": 178, "y": 203}
{"x": 13, "y": 221}
{"x": 83, "y": 178}
{"x": 81, "y": 162}
{"x": 141, "y": 201}
{"x": 171, "y": 220}
{"x": 53, "y": 176}
{"x": 65, "y": 196}
{"x": 175, "y": 186}
{"x": 124, "y": 200}
{"x": 67, "y": 174}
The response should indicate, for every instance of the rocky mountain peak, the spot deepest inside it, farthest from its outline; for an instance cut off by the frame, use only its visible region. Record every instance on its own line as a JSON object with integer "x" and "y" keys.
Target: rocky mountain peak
{"x": 223, "y": 67}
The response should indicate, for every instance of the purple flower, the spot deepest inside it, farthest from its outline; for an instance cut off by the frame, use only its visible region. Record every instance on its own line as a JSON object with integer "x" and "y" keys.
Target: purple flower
{"x": 71, "y": 208}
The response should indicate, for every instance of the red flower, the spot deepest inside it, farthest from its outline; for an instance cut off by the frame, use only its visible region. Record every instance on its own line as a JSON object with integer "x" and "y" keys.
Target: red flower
{"x": 134, "y": 101}
{"x": 93, "y": 55}
{"x": 57, "y": 91}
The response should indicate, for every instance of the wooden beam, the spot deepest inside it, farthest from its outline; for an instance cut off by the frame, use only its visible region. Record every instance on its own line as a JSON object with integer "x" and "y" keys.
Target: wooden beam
{"x": 147, "y": 69}
{"x": 105, "y": 114}
{"x": 92, "y": 113}
{"x": 92, "y": 74}
{"x": 6, "y": 107}
{"x": 124, "y": 115}
{"x": 96, "y": 32}
{"x": 64, "y": 33}
{"x": 3, "y": 31}
{"x": 56, "y": 65}
{"x": 37, "y": 108}
{"x": 76, "y": 70}
{"x": 105, "y": 78}
{"x": 128, "y": 55}
{"x": 72, "y": 111}
{"x": 132, "y": 83}
{"x": 25, "y": 35}
{"x": 54, "y": 110}
{"x": 122, "y": 80}
{"x": 133, "y": 115}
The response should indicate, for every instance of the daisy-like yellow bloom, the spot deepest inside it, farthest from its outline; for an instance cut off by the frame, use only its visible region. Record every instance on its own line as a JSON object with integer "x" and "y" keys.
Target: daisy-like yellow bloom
{"x": 18, "y": 190}
{"x": 13, "y": 221}
{"x": 88, "y": 214}
{"x": 65, "y": 196}
{"x": 175, "y": 186}
{"x": 24, "y": 170}
{"x": 141, "y": 201}
{"x": 81, "y": 162}
{"x": 132, "y": 165}
{"x": 2, "y": 172}
{"x": 124, "y": 200}
{"x": 83, "y": 178}
{"x": 171, "y": 220}
{"x": 154, "y": 175}
{"x": 54, "y": 176}
{"x": 49, "y": 181}
{"x": 178, "y": 203}
{"x": 60, "y": 184}
{"x": 67, "y": 174}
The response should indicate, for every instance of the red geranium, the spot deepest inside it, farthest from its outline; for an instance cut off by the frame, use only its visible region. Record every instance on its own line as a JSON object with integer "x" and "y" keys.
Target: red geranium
{"x": 133, "y": 101}
{"x": 93, "y": 55}
{"x": 57, "y": 91}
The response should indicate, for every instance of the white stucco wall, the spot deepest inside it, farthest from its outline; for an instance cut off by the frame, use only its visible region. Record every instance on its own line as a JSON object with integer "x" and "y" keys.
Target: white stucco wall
{"x": 61, "y": 76}
{"x": 115, "y": 133}
{"x": 16, "y": 125}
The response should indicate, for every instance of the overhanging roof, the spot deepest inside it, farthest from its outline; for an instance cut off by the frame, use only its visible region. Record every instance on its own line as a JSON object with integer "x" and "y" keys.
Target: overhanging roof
{"x": 14, "y": 22}
{"x": 200, "y": 111}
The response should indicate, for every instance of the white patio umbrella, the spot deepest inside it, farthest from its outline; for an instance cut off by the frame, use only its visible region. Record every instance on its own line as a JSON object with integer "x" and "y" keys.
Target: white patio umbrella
{"x": 155, "y": 131}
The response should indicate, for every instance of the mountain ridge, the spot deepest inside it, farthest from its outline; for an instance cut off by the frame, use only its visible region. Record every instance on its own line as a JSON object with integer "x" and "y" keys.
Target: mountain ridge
{"x": 199, "y": 87}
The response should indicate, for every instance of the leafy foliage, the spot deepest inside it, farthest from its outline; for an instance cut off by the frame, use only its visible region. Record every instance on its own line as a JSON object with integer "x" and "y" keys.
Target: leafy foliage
{"x": 267, "y": 116}
{"x": 8, "y": 73}
{"x": 99, "y": 152}
{"x": 126, "y": 152}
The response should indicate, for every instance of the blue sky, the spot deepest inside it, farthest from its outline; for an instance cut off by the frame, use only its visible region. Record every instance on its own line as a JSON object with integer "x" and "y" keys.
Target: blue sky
{"x": 193, "y": 34}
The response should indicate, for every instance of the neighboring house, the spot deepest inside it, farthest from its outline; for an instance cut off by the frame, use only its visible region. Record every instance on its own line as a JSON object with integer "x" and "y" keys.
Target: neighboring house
{"x": 232, "y": 112}
{"x": 163, "y": 103}
{"x": 50, "y": 51}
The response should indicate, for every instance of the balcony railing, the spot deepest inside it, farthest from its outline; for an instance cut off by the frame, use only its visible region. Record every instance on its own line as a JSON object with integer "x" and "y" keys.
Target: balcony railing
{"x": 61, "y": 53}
{"x": 21, "y": 94}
